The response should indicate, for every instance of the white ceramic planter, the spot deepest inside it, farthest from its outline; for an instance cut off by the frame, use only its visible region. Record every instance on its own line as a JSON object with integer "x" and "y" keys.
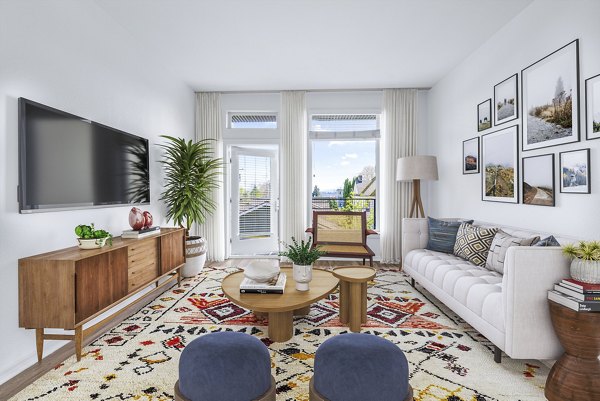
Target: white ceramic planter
{"x": 586, "y": 271}
{"x": 91, "y": 243}
{"x": 302, "y": 276}
{"x": 195, "y": 256}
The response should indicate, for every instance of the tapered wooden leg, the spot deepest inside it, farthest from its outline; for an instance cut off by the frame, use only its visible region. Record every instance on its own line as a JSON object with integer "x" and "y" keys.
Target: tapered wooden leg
{"x": 344, "y": 302}
{"x": 355, "y": 311}
{"x": 281, "y": 326}
{"x": 78, "y": 341}
{"x": 302, "y": 311}
{"x": 363, "y": 302}
{"x": 39, "y": 343}
{"x": 179, "y": 277}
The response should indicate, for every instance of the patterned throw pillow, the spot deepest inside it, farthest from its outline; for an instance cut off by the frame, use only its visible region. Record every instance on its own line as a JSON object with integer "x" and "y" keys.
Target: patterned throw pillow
{"x": 442, "y": 234}
{"x": 473, "y": 243}
{"x": 548, "y": 241}
{"x": 502, "y": 241}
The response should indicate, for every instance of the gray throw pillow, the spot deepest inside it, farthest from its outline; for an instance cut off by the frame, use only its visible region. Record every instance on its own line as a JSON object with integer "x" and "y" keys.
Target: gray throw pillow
{"x": 442, "y": 234}
{"x": 548, "y": 241}
{"x": 473, "y": 243}
{"x": 502, "y": 241}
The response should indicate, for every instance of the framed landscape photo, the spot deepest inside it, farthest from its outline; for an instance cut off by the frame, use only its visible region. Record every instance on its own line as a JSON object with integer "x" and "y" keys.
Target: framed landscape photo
{"x": 538, "y": 180}
{"x": 505, "y": 100}
{"x": 550, "y": 90}
{"x": 500, "y": 158}
{"x": 592, "y": 105}
{"x": 575, "y": 171}
{"x": 484, "y": 115}
{"x": 471, "y": 156}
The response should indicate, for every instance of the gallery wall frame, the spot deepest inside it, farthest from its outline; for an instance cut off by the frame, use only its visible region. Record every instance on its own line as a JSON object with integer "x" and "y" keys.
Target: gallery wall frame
{"x": 538, "y": 180}
{"x": 471, "y": 156}
{"x": 500, "y": 165}
{"x": 575, "y": 171}
{"x": 592, "y": 107}
{"x": 506, "y": 100}
{"x": 550, "y": 99}
{"x": 484, "y": 115}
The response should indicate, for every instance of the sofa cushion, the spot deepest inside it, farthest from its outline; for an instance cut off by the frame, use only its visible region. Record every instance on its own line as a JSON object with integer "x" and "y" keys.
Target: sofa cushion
{"x": 442, "y": 234}
{"x": 548, "y": 241}
{"x": 473, "y": 243}
{"x": 502, "y": 241}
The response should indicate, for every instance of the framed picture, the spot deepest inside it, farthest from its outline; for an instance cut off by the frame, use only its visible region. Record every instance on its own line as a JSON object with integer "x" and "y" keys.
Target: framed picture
{"x": 538, "y": 180}
{"x": 592, "y": 107}
{"x": 575, "y": 171}
{"x": 505, "y": 100}
{"x": 484, "y": 115}
{"x": 471, "y": 156}
{"x": 550, "y": 89}
{"x": 500, "y": 158}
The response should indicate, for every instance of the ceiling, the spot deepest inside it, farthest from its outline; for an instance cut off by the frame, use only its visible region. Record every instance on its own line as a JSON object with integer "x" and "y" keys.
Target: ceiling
{"x": 237, "y": 45}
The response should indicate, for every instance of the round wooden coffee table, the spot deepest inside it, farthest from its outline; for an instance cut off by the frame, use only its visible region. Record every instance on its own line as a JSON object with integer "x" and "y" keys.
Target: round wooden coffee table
{"x": 576, "y": 375}
{"x": 353, "y": 294}
{"x": 281, "y": 308}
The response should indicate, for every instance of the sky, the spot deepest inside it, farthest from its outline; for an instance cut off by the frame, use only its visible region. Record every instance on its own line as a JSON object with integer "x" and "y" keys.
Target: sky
{"x": 537, "y": 171}
{"x": 334, "y": 161}
{"x": 506, "y": 90}
{"x": 471, "y": 148}
{"x": 484, "y": 111}
{"x": 596, "y": 101}
{"x": 500, "y": 148}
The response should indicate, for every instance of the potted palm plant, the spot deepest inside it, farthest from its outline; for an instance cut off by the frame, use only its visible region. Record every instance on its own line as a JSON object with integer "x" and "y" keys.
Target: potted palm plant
{"x": 585, "y": 264}
{"x": 191, "y": 175}
{"x": 302, "y": 255}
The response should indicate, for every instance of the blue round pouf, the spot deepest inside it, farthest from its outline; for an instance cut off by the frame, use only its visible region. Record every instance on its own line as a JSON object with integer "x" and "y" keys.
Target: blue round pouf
{"x": 224, "y": 366}
{"x": 359, "y": 367}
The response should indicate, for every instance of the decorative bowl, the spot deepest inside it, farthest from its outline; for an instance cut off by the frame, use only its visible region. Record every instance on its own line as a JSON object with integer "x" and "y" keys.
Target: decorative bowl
{"x": 261, "y": 271}
{"x": 92, "y": 243}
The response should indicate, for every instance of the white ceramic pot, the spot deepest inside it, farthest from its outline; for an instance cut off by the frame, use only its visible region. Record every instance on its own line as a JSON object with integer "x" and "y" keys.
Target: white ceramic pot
{"x": 302, "y": 276}
{"x": 195, "y": 256}
{"x": 91, "y": 243}
{"x": 586, "y": 271}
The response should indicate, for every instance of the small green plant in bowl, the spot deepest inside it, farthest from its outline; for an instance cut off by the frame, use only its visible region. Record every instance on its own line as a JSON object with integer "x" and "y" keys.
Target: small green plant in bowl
{"x": 585, "y": 264}
{"x": 301, "y": 253}
{"x": 89, "y": 238}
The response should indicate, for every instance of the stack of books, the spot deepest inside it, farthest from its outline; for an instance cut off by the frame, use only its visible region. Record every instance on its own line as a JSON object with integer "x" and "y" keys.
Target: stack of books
{"x": 137, "y": 234}
{"x": 580, "y": 297}
{"x": 274, "y": 286}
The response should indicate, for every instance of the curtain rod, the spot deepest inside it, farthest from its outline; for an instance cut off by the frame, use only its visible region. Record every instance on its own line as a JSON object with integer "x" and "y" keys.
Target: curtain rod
{"x": 240, "y": 92}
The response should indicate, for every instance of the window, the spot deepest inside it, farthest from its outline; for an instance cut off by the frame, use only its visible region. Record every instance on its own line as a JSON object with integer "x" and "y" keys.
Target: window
{"x": 252, "y": 120}
{"x": 345, "y": 162}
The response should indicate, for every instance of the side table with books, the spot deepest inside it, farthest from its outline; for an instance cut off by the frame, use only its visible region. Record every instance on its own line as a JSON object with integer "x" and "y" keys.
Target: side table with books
{"x": 574, "y": 310}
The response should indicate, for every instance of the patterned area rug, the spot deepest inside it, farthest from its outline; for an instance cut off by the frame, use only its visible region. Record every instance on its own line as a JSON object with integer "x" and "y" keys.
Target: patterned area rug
{"x": 138, "y": 359}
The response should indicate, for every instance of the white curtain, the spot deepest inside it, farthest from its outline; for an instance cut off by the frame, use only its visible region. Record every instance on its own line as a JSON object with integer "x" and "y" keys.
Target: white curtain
{"x": 209, "y": 126}
{"x": 399, "y": 139}
{"x": 293, "y": 167}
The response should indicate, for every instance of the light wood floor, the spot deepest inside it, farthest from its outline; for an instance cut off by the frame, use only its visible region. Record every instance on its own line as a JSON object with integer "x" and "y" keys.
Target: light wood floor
{"x": 28, "y": 376}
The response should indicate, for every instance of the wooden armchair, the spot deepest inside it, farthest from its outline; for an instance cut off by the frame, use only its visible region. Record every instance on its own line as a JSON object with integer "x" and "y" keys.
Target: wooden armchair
{"x": 342, "y": 234}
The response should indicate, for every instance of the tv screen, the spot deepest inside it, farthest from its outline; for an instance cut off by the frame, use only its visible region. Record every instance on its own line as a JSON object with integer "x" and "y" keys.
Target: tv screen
{"x": 68, "y": 162}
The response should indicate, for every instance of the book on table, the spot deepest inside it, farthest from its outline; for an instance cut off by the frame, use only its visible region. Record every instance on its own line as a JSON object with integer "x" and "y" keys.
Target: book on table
{"x": 579, "y": 295}
{"x": 144, "y": 232}
{"x": 573, "y": 303}
{"x": 579, "y": 286}
{"x": 274, "y": 286}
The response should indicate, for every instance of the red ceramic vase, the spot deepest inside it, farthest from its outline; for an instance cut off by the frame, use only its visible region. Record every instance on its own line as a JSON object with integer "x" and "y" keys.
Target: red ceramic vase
{"x": 136, "y": 219}
{"x": 147, "y": 219}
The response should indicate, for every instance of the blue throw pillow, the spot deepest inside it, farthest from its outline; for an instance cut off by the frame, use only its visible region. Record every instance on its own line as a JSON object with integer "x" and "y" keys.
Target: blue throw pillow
{"x": 442, "y": 234}
{"x": 548, "y": 241}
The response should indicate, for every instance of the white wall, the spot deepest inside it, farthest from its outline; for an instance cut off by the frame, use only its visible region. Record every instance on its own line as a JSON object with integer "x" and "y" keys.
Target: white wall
{"x": 540, "y": 29}
{"x": 71, "y": 56}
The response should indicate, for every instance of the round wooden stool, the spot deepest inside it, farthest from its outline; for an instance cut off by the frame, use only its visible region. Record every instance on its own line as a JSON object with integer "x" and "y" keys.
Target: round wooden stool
{"x": 353, "y": 294}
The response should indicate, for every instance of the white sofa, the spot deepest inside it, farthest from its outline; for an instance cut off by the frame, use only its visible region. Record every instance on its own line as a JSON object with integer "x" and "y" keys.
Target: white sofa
{"x": 510, "y": 310}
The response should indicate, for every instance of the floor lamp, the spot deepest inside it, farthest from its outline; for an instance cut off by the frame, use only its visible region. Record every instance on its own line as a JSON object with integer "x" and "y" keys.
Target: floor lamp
{"x": 417, "y": 168}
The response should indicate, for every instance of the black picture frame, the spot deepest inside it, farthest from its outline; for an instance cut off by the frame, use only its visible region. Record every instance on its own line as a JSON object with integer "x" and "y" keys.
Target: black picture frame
{"x": 532, "y": 192}
{"x": 466, "y": 145}
{"x": 482, "y": 125}
{"x": 550, "y": 80}
{"x": 592, "y": 106}
{"x": 497, "y": 150}
{"x": 584, "y": 157}
{"x": 504, "y": 86}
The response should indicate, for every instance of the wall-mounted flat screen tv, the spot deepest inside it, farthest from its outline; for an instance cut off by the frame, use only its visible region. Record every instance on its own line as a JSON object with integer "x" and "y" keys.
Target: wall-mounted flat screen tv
{"x": 67, "y": 162}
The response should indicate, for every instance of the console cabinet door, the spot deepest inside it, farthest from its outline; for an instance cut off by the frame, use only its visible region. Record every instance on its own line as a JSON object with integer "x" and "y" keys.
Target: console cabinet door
{"x": 100, "y": 281}
{"x": 172, "y": 251}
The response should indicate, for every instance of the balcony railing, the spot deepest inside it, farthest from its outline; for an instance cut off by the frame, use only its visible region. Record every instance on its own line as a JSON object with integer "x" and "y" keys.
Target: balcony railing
{"x": 358, "y": 204}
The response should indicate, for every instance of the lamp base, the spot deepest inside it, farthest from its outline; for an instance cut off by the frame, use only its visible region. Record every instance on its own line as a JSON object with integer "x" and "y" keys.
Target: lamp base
{"x": 416, "y": 205}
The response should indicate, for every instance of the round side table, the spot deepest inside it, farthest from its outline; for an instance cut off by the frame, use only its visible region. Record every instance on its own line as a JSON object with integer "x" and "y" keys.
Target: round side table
{"x": 353, "y": 294}
{"x": 576, "y": 375}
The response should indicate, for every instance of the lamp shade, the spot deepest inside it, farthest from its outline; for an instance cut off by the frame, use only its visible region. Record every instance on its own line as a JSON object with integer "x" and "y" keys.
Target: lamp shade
{"x": 417, "y": 168}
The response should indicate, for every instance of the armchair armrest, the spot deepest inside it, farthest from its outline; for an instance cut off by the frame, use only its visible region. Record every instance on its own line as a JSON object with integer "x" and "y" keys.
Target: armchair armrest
{"x": 529, "y": 272}
{"x": 414, "y": 234}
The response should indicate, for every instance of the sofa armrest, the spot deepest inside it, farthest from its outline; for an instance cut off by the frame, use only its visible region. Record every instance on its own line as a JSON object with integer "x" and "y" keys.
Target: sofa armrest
{"x": 529, "y": 272}
{"x": 414, "y": 234}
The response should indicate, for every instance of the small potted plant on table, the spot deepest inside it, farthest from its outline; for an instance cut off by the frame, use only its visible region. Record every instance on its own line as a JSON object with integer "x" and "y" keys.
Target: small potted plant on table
{"x": 90, "y": 238}
{"x": 585, "y": 266}
{"x": 302, "y": 256}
